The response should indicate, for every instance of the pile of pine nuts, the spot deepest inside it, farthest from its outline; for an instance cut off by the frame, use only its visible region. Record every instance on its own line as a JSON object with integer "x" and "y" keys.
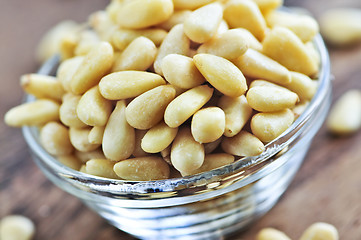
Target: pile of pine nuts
{"x": 161, "y": 89}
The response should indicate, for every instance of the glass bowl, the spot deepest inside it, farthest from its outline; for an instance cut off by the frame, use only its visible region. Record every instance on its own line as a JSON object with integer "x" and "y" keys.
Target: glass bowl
{"x": 208, "y": 205}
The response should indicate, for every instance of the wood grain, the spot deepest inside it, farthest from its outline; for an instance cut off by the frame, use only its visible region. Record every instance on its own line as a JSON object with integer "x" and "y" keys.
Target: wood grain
{"x": 327, "y": 187}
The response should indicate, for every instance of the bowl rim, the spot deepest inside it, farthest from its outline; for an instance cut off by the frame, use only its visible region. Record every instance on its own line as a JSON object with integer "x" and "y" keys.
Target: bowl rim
{"x": 100, "y": 184}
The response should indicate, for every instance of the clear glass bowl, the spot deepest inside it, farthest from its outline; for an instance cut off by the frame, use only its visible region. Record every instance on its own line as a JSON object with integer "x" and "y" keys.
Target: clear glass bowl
{"x": 209, "y": 205}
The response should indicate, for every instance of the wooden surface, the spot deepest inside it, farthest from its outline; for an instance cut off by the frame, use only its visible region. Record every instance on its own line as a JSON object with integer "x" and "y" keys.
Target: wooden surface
{"x": 327, "y": 188}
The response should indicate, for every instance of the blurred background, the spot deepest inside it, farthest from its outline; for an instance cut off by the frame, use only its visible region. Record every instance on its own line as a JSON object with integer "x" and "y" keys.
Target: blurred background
{"x": 327, "y": 188}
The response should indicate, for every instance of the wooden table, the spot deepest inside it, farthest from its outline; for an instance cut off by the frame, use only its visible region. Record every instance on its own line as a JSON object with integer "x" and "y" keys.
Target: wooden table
{"x": 327, "y": 188}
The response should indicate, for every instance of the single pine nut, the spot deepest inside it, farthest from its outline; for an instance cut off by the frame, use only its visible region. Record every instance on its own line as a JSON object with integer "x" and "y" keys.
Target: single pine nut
{"x": 128, "y": 84}
{"x": 101, "y": 168}
{"x": 251, "y": 19}
{"x": 142, "y": 169}
{"x": 146, "y": 110}
{"x": 237, "y": 112}
{"x": 79, "y": 139}
{"x": 138, "y": 55}
{"x": 341, "y": 26}
{"x": 96, "y": 135}
{"x": 256, "y": 65}
{"x": 66, "y": 71}
{"x": 186, "y": 154}
{"x": 138, "y": 14}
{"x": 230, "y": 44}
{"x": 54, "y": 137}
{"x": 199, "y": 26}
{"x": 67, "y": 111}
{"x": 158, "y": 138}
{"x": 301, "y": 84}
{"x": 93, "y": 109}
{"x": 208, "y": 124}
{"x": 32, "y": 113}
{"x": 95, "y": 65}
{"x": 16, "y": 227}
{"x": 282, "y": 45}
{"x": 221, "y": 74}
{"x": 186, "y": 104}
{"x": 320, "y": 230}
{"x": 180, "y": 71}
{"x": 268, "y": 126}
{"x": 243, "y": 144}
{"x": 119, "y": 137}
{"x": 42, "y": 86}
{"x": 345, "y": 115}
{"x": 271, "y": 99}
